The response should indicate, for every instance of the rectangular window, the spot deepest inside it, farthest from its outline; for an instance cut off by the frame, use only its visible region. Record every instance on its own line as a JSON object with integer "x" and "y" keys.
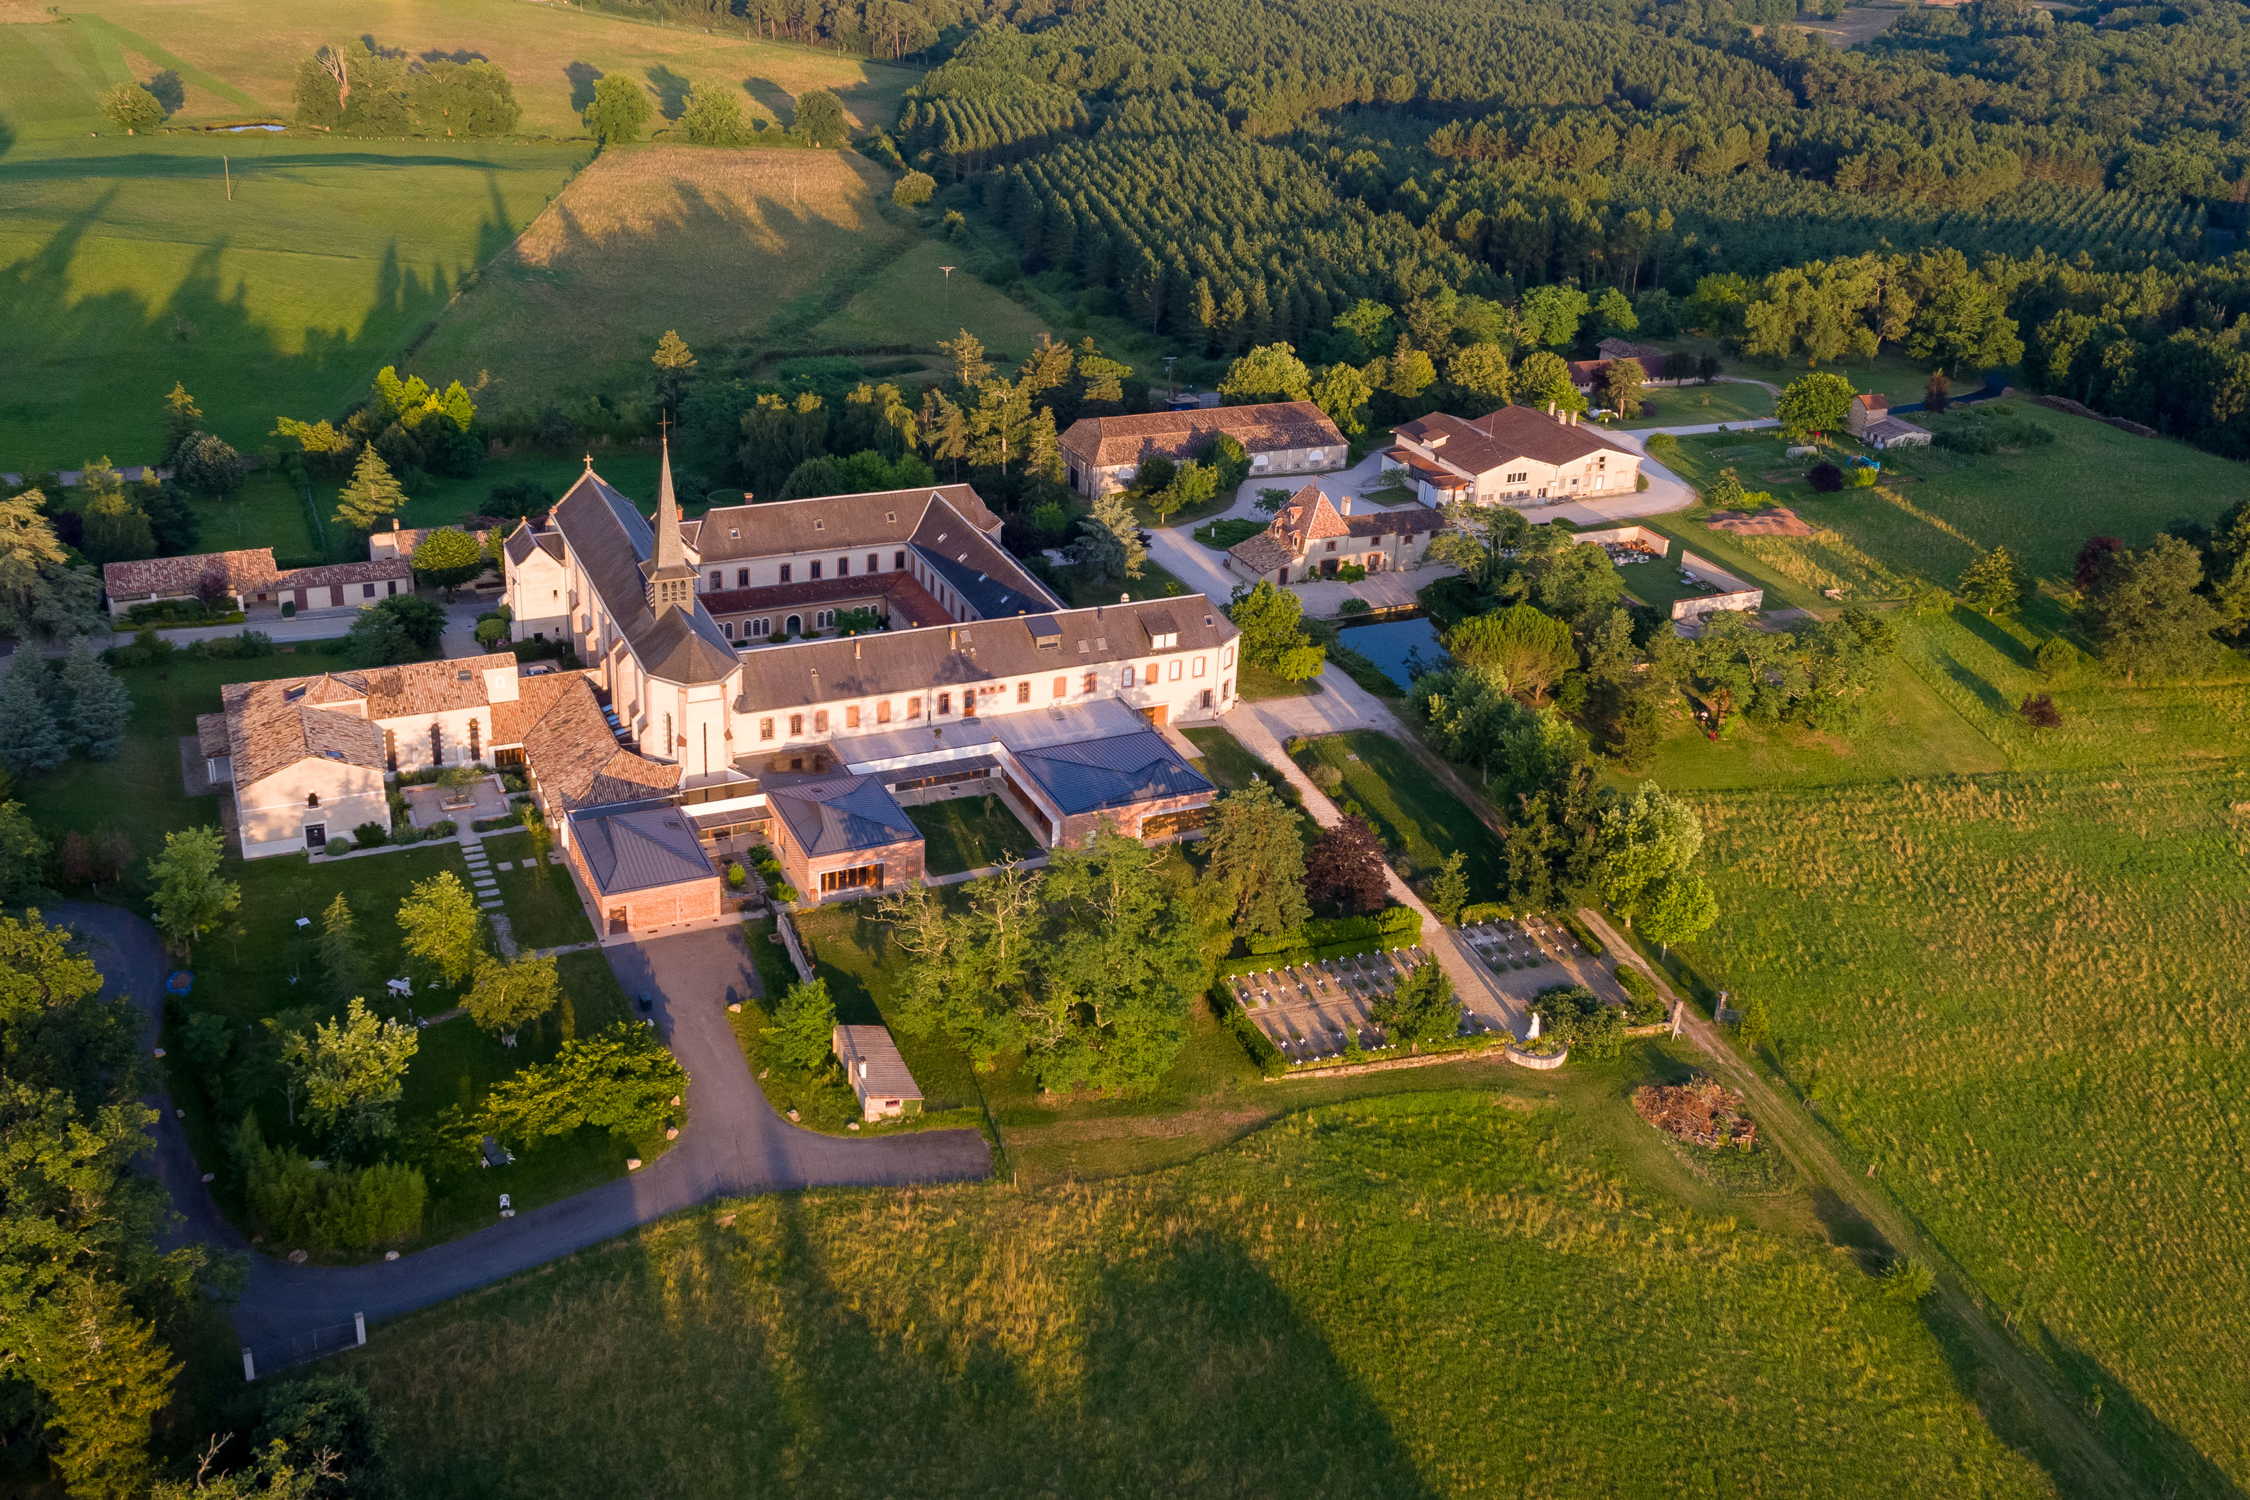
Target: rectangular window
{"x": 898, "y": 561}
{"x": 874, "y": 562}
{"x": 390, "y": 748}
{"x": 1151, "y": 678}
{"x": 785, "y": 572}
{"x": 883, "y": 712}
{"x": 914, "y": 706}
{"x": 742, "y": 578}
{"x": 718, "y": 579}
{"x": 1174, "y": 675}
{"x": 765, "y": 729}
{"x": 1127, "y": 679}
{"x": 796, "y": 725}
{"x": 1199, "y": 664}
{"x": 367, "y": 591}
{"x": 1062, "y": 687}
{"x": 1023, "y": 692}
{"x": 820, "y": 721}
{"x": 1088, "y": 686}
{"x": 476, "y": 738}
{"x": 843, "y": 567}
{"x": 1226, "y": 657}
{"x": 851, "y": 717}
{"x": 944, "y": 704}
{"x": 813, "y": 568}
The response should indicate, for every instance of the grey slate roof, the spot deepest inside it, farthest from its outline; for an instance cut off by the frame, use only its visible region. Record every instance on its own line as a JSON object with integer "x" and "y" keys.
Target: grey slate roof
{"x": 838, "y": 814}
{"x": 1088, "y": 775}
{"x": 610, "y": 539}
{"x": 938, "y": 656}
{"x": 638, "y": 848}
{"x": 988, "y": 595}
{"x": 885, "y": 1075}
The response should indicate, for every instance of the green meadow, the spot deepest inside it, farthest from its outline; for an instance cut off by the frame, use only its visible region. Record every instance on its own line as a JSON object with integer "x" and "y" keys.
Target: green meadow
{"x": 1436, "y": 1294}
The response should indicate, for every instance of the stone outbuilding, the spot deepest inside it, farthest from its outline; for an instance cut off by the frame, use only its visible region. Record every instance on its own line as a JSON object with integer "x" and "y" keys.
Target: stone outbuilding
{"x": 1313, "y": 535}
{"x": 878, "y": 1074}
{"x": 1281, "y": 437}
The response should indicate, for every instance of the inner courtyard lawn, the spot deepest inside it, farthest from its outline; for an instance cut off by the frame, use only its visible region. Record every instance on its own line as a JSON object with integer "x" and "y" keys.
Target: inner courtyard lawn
{"x": 1274, "y": 1318}
{"x": 541, "y": 900}
{"x": 970, "y": 833}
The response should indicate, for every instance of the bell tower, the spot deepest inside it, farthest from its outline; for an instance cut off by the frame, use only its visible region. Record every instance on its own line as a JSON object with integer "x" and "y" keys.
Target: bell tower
{"x": 671, "y": 582}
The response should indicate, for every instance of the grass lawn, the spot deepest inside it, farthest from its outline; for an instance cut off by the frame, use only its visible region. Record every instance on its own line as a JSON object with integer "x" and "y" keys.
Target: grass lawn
{"x": 1258, "y": 683}
{"x": 543, "y": 906}
{"x": 140, "y": 791}
{"x": 2017, "y": 996}
{"x": 969, "y": 833}
{"x": 1690, "y": 405}
{"x": 1080, "y": 590}
{"x": 1225, "y": 761}
{"x": 744, "y": 252}
{"x": 1419, "y": 820}
{"x": 125, "y": 267}
{"x": 1275, "y": 1317}
{"x": 1893, "y": 374}
{"x": 1935, "y": 510}
{"x": 237, "y": 52}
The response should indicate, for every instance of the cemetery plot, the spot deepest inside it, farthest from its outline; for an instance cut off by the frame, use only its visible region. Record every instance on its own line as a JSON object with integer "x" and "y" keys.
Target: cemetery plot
{"x": 1316, "y": 1012}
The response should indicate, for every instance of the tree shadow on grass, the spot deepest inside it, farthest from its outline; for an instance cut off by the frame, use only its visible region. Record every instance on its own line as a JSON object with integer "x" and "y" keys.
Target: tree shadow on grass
{"x": 769, "y": 94}
{"x": 671, "y": 91}
{"x": 1990, "y": 631}
{"x": 169, "y": 90}
{"x": 583, "y": 76}
{"x": 2159, "y": 1452}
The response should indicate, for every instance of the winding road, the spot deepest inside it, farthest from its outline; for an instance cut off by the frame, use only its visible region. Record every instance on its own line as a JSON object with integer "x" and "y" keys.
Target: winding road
{"x": 731, "y": 1144}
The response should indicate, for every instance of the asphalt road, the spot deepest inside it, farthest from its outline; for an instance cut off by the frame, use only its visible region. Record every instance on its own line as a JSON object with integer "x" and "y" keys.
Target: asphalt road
{"x": 731, "y": 1144}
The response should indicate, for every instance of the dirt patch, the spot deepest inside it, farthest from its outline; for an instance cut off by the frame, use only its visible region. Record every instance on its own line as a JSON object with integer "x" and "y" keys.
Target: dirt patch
{"x": 1780, "y": 520}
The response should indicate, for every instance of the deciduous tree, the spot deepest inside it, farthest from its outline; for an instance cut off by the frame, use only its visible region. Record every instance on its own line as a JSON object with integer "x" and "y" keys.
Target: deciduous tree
{"x": 1273, "y": 634}
{"x": 442, "y": 927}
{"x": 351, "y": 1071}
{"x": 1345, "y": 872}
{"x": 1813, "y": 404}
{"x": 820, "y": 119}
{"x": 190, "y": 899}
{"x": 2145, "y": 613}
{"x": 1269, "y": 372}
{"x": 511, "y": 993}
{"x": 619, "y": 110}
{"x": 713, "y": 117}
{"x": 447, "y": 558}
{"x": 132, "y": 108}
{"x": 1422, "y": 1008}
{"x": 801, "y": 1035}
{"x": 1991, "y": 584}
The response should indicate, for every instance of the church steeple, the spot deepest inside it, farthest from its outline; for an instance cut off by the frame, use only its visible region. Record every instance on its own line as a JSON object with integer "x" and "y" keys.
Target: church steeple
{"x": 671, "y": 582}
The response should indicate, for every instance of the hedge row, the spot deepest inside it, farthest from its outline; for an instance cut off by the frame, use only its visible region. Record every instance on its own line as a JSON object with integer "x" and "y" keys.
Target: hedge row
{"x": 1327, "y": 932}
{"x": 1258, "y": 963}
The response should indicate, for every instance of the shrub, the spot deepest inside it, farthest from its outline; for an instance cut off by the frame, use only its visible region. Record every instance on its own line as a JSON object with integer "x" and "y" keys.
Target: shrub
{"x": 338, "y": 846}
{"x": 443, "y": 828}
{"x": 2039, "y": 711}
{"x": 737, "y": 877}
{"x": 1352, "y": 573}
{"x": 1484, "y": 911}
{"x": 1355, "y": 606}
{"x": 1908, "y": 1279}
{"x": 1328, "y": 778}
{"x": 1578, "y": 930}
{"x": 370, "y": 834}
{"x": 1641, "y": 1002}
{"x": 1825, "y": 477}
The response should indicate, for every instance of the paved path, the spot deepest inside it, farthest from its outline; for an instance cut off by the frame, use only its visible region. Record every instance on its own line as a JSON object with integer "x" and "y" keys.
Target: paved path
{"x": 1249, "y": 723}
{"x": 732, "y": 1143}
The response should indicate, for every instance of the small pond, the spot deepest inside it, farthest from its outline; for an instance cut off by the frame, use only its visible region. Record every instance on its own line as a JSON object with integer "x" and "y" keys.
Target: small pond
{"x": 1397, "y": 646}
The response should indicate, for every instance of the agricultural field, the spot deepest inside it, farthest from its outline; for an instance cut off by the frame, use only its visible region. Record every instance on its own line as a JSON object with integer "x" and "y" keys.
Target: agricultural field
{"x": 737, "y": 250}
{"x": 125, "y": 266}
{"x": 2018, "y": 998}
{"x": 1274, "y": 1317}
{"x": 237, "y": 58}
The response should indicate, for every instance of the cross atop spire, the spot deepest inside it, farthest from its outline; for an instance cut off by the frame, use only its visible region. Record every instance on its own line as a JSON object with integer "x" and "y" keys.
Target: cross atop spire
{"x": 589, "y": 463}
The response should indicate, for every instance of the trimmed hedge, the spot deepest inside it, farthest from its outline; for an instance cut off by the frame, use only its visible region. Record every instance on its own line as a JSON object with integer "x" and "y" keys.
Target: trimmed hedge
{"x": 1641, "y": 1002}
{"x": 1578, "y": 930}
{"x": 1258, "y": 963}
{"x": 1327, "y": 932}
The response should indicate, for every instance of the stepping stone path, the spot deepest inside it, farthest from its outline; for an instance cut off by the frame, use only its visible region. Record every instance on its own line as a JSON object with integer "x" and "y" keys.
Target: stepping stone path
{"x": 480, "y": 877}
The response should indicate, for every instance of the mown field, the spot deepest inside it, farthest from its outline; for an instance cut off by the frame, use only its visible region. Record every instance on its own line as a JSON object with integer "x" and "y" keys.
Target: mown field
{"x": 1934, "y": 510}
{"x": 737, "y": 250}
{"x": 1278, "y": 1318}
{"x": 234, "y": 53}
{"x": 124, "y": 266}
{"x": 2019, "y": 998}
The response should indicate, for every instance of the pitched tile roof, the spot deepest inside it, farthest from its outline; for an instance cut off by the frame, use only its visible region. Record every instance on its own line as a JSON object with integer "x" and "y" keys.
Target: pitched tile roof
{"x": 1501, "y": 437}
{"x": 1310, "y": 516}
{"x": 823, "y": 671}
{"x": 523, "y": 541}
{"x": 885, "y": 1074}
{"x": 610, "y": 540}
{"x": 1090, "y": 775}
{"x": 270, "y": 727}
{"x": 423, "y": 687}
{"x": 1263, "y": 553}
{"x": 876, "y": 518}
{"x": 639, "y": 848}
{"x": 571, "y": 748}
{"x": 244, "y": 570}
{"x": 1264, "y": 427}
{"x": 840, "y": 814}
{"x": 211, "y": 734}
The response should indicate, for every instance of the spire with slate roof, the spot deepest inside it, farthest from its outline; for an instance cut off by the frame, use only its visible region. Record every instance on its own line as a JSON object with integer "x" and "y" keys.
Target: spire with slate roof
{"x": 671, "y": 581}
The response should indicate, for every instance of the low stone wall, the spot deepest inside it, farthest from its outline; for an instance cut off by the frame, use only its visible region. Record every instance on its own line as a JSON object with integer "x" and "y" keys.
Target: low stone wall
{"x": 1734, "y": 593}
{"x": 1538, "y": 1062}
{"x": 1392, "y": 1064}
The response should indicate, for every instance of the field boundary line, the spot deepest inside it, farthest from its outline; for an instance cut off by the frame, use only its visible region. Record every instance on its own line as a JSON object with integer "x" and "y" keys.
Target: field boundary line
{"x": 2095, "y": 1469}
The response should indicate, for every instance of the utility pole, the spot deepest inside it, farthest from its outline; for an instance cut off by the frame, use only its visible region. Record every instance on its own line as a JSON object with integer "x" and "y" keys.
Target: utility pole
{"x": 227, "y": 167}
{"x": 948, "y": 270}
